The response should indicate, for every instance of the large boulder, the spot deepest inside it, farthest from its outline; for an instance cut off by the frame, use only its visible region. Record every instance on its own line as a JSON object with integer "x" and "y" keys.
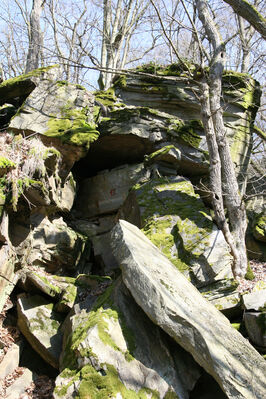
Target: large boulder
{"x": 41, "y": 326}
{"x": 175, "y": 91}
{"x": 175, "y": 219}
{"x": 61, "y": 113}
{"x": 8, "y": 277}
{"x": 15, "y": 90}
{"x": 105, "y": 192}
{"x": 175, "y": 305}
{"x": 128, "y": 134}
{"x": 109, "y": 351}
{"x": 51, "y": 244}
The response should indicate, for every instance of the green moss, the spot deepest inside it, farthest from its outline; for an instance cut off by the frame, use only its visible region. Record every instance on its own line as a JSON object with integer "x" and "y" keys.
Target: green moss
{"x": 72, "y": 127}
{"x": 6, "y": 163}
{"x": 236, "y": 326}
{"x": 20, "y": 78}
{"x": 72, "y": 376}
{"x": 175, "y": 69}
{"x": 157, "y": 232}
{"x": 249, "y": 274}
{"x": 68, "y": 298}
{"x": 106, "y": 97}
{"x": 94, "y": 385}
{"x": 171, "y": 395}
{"x": 120, "y": 82}
{"x": 157, "y": 154}
{"x": 175, "y": 221}
{"x": 186, "y": 131}
{"x": 259, "y": 229}
{"x": 52, "y": 289}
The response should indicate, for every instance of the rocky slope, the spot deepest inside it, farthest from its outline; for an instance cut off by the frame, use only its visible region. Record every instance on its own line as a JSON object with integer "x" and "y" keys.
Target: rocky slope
{"x": 114, "y": 280}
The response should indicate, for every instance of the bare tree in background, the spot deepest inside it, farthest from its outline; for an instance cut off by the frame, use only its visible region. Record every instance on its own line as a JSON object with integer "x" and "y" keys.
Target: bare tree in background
{"x": 119, "y": 23}
{"x": 35, "y": 36}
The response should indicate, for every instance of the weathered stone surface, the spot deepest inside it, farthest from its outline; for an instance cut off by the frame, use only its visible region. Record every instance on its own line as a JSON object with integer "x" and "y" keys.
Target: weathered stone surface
{"x": 255, "y": 323}
{"x": 62, "y": 193}
{"x": 21, "y": 86}
{"x": 224, "y": 296}
{"x": 53, "y": 244}
{"x": 259, "y": 229}
{"x": 175, "y": 219}
{"x": 41, "y": 326}
{"x": 130, "y": 133}
{"x": 20, "y": 385}
{"x": 177, "y": 94}
{"x": 110, "y": 351}
{"x": 256, "y": 209}
{"x": 6, "y": 113}
{"x": 8, "y": 277}
{"x": 62, "y": 114}
{"x": 177, "y": 307}
{"x": 58, "y": 109}
{"x": 94, "y": 226}
{"x": 255, "y": 300}
{"x": 105, "y": 192}
{"x": 10, "y": 361}
{"x": 103, "y": 253}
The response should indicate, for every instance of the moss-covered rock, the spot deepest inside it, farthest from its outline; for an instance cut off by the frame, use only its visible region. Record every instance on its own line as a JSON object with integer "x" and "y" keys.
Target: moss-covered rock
{"x": 21, "y": 86}
{"x": 174, "y": 218}
{"x": 259, "y": 229}
{"x": 56, "y": 110}
{"x": 41, "y": 326}
{"x": 173, "y": 89}
{"x": 106, "y": 343}
{"x": 54, "y": 245}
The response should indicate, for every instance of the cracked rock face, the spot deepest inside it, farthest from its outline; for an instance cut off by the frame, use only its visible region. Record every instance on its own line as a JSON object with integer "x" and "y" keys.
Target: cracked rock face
{"x": 174, "y": 304}
{"x": 117, "y": 339}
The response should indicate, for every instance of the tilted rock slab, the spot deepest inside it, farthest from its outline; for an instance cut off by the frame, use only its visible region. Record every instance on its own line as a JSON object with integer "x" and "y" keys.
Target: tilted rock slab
{"x": 175, "y": 305}
{"x": 41, "y": 327}
{"x": 112, "y": 350}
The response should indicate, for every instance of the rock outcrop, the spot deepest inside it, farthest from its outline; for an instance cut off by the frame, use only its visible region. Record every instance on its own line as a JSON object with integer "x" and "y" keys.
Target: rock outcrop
{"x": 72, "y": 163}
{"x": 173, "y": 304}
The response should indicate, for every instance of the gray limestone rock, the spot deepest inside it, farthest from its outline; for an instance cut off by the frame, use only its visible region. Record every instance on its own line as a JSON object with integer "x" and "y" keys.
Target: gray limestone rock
{"x": 20, "y": 385}
{"x": 105, "y": 192}
{"x": 113, "y": 350}
{"x": 52, "y": 244}
{"x": 175, "y": 305}
{"x": 255, "y": 300}
{"x": 175, "y": 219}
{"x": 10, "y": 361}
{"x": 41, "y": 327}
{"x": 8, "y": 277}
{"x": 255, "y": 323}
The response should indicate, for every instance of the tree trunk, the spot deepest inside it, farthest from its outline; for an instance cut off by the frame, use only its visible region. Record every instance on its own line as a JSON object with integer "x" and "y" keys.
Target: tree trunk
{"x": 249, "y": 13}
{"x": 223, "y": 180}
{"x": 35, "y": 36}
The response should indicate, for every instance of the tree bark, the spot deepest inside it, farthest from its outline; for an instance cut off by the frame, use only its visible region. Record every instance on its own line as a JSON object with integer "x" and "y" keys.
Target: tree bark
{"x": 35, "y": 36}
{"x": 249, "y": 13}
{"x": 223, "y": 180}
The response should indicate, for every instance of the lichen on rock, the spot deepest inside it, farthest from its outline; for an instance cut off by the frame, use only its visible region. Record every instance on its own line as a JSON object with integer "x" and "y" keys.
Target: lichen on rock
{"x": 174, "y": 218}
